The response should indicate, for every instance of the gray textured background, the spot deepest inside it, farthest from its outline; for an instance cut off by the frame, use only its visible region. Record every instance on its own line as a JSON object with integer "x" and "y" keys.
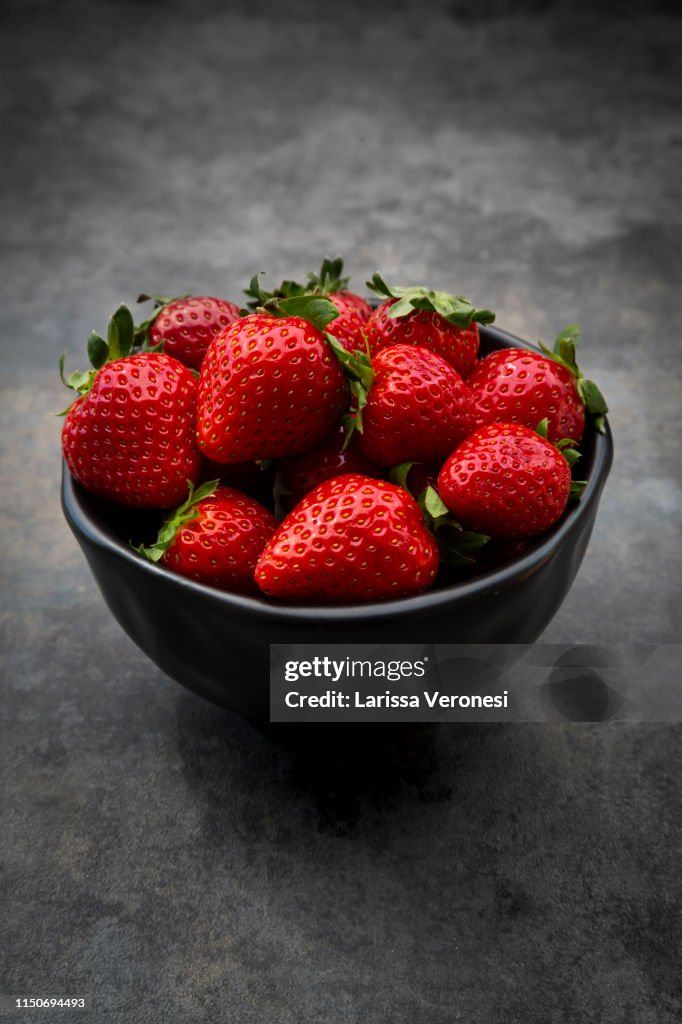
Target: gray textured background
{"x": 160, "y": 854}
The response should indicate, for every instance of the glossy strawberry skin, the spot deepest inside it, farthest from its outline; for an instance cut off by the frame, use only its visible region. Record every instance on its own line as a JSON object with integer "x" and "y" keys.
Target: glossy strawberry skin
{"x": 299, "y": 474}
{"x": 349, "y": 326}
{"x": 517, "y": 385}
{"x": 418, "y": 408}
{"x": 188, "y": 326}
{"x": 352, "y": 539}
{"x": 506, "y": 481}
{"x": 221, "y": 545}
{"x": 346, "y": 301}
{"x": 458, "y": 347}
{"x": 269, "y": 388}
{"x": 131, "y": 438}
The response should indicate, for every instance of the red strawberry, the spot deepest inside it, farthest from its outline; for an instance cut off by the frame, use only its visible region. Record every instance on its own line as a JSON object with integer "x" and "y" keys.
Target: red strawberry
{"x": 349, "y": 326}
{"x": 507, "y": 481}
{"x": 130, "y": 436}
{"x": 347, "y": 302}
{"x": 418, "y": 408}
{"x": 517, "y": 385}
{"x": 459, "y": 347}
{"x": 299, "y": 474}
{"x": 216, "y": 537}
{"x": 352, "y": 539}
{"x": 185, "y": 327}
{"x": 269, "y": 387}
{"x": 445, "y": 324}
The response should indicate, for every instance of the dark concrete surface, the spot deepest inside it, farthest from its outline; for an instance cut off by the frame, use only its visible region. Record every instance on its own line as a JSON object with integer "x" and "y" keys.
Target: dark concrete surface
{"x": 163, "y": 857}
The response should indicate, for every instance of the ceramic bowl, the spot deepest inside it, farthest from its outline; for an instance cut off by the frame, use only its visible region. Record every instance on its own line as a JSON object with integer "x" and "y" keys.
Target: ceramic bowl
{"x": 217, "y": 644}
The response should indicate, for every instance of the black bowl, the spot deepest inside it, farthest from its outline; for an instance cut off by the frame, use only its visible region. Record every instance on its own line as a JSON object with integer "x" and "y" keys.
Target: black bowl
{"x": 216, "y": 643}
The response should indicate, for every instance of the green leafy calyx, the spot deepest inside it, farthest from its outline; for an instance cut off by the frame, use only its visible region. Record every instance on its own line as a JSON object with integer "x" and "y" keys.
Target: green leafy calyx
{"x": 317, "y": 310}
{"x": 357, "y": 367}
{"x": 399, "y": 474}
{"x": 328, "y": 280}
{"x": 542, "y": 428}
{"x": 564, "y": 352}
{"x": 182, "y": 514}
{"x": 455, "y": 544}
{"x": 567, "y": 446}
{"x": 119, "y": 343}
{"x": 576, "y": 489}
{"x": 456, "y": 309}
{"x": 568, "y": 449}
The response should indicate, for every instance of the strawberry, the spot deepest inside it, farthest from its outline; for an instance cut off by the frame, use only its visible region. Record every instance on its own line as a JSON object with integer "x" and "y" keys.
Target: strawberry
{"x": 349, "y": 327}
{"x": 216, "y": 537}
{"x": 185, "y": 327}
{"x": 506, "y": 480}
{"x": 299, "y": 474}
{"x": 418, "y": 408}
{"x": 354, "y": 311}
{"x": 517, "y": 385}
{"x": 270, "y": 385}
{"x": 351, "y": 539}
{"x": 130, "y": 435}
{"x": 347, "y": 302}
{"x": 446, "y": 324}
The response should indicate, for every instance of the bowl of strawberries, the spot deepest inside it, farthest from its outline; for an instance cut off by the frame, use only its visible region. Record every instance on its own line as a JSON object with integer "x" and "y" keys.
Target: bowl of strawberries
{"x": 313, "y": 467}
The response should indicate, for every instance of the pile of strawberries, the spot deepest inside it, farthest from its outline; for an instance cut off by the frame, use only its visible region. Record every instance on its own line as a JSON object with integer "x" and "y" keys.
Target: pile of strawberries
{"x": 312, "y": 448}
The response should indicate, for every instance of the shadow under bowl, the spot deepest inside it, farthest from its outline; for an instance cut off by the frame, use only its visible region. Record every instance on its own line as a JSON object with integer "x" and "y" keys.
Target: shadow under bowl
{"x": 217, "y": 644}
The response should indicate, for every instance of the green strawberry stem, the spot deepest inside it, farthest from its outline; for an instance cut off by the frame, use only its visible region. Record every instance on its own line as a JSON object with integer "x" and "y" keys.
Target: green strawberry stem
{"x": 576, "y": 489}
{"x": 456, "y": 309}
{"x": 566, "y": 445}
{"x": 79, "y": 382}
{"x": 357, "y": 367}
{"x": 120, "y": 336}
{"x": 328, "y": 280}
{"x": 398, "y": 474}
{"x": 317, "y": 310}
{"x": 455, "y": 544}
{"x": 258, "y": 295}
{"x": 564, "y": 352}
{"x": 571, "y": 454}
{"x": 182, "y": 514}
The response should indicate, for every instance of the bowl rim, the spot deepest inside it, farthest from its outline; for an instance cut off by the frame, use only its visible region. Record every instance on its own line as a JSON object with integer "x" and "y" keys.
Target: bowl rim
{"x": 87, "y": 527}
